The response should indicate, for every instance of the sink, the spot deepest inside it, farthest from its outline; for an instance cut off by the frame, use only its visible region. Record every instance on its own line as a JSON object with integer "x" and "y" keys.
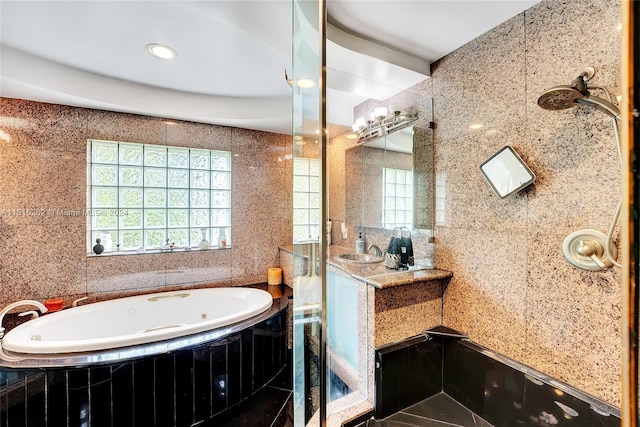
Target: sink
{"x": 361, "y": 258}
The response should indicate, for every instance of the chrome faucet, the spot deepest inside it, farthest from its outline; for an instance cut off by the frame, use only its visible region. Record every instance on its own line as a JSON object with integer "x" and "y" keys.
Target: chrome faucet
{"x": 375, "y": 248}
{"x": 11, "y": 306}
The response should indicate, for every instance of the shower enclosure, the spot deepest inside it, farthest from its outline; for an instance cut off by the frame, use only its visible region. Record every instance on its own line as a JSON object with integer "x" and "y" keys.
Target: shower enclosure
{"x": 309, "y": 290}
{"x": 329, "y": 309}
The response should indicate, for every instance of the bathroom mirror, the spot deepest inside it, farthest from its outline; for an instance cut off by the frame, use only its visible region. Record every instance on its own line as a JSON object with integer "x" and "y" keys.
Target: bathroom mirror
{"x": 390, "y": 181}
{"x": 506, "y": 172}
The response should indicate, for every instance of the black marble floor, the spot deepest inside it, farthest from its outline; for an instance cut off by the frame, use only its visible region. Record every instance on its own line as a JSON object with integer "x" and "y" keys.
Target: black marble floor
{"x": 271, "y": 406}
{"x": 437, "y": 411}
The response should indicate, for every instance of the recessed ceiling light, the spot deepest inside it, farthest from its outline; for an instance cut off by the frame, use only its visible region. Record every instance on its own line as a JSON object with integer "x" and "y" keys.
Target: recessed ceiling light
{"x": 352, "y": 136}
{"x": 475, "y": 126}
{"x": 161, "y": 51}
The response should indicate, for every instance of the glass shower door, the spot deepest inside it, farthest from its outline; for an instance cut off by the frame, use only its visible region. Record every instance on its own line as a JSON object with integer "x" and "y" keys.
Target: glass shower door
{"x": 309, "y": 154}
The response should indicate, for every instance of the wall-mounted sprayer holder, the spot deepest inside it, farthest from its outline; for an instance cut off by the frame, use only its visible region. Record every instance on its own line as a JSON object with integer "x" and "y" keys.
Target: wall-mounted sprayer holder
{"x": 586, "y": 249}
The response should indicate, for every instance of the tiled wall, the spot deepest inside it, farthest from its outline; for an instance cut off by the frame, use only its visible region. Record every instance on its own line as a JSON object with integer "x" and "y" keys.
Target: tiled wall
{"x": 42, "y": 168}
{"x": 512, "y": 289}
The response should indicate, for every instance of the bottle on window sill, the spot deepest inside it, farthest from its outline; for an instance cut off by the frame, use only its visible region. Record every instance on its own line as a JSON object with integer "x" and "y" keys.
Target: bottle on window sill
{"x": 204, "y": 243}
{"x": 222, "y": 238}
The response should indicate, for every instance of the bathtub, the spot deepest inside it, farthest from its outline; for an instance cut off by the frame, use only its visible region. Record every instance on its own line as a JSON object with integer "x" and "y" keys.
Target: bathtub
{"x": 137, "y": 320}
{"x": 185, "y": 358}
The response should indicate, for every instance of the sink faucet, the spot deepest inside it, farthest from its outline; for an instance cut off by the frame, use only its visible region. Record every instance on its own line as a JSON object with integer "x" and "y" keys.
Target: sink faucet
{"x": 375, "y": 248}
{"x": 11, "y": 306}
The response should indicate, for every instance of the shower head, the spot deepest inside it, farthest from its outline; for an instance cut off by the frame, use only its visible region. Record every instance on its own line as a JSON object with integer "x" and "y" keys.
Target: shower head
{"x": 560, "y": 98}
{"x": 567, "y": 96}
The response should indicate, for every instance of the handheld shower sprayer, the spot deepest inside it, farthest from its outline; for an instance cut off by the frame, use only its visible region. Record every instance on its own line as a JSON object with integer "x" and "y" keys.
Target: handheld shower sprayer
{"x": 577, "y": 93}
{"x": 567, "y": 96}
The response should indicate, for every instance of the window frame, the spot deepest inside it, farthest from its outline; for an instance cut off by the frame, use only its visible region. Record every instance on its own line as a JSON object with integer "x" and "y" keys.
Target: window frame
{"x": 406, "y": 195}
{"x": 174, "y": 192}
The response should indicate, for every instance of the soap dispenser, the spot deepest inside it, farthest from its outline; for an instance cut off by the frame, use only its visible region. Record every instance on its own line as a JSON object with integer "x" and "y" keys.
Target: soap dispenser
{"x": 360, "y": 244}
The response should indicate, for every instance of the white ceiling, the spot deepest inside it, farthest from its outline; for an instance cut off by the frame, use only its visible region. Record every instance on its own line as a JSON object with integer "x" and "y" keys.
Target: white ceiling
{"x": 231, "y": 54}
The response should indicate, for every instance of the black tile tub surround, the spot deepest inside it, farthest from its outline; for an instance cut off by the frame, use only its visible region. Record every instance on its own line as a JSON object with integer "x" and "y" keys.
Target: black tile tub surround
{"x": 406, "y": 373}
{"x": 414, "y": 375}
{"x": 506, "y": 396}
{"x": 185, "y": 387}
{"x": 270, "y": 406}
{"x": 485, "y": 386}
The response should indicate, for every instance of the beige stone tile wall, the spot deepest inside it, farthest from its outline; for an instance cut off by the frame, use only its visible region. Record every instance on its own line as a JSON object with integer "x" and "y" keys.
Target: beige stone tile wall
{"x": 43, "y": 172}
{"x": 512, "y": 289}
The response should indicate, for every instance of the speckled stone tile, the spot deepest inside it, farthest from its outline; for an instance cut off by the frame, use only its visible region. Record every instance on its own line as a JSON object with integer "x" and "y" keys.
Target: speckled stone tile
{"x": 481, "y": 83}
{"x": 44, "y": 259}
{"x": 252, "y": 147}
{"x": 568, "y": 192}
{"x": 365, "y": 363}
{"x": 112, "y": 126}
{"x": 337, "y": 185}
{"x": 293, "y": 265}
{"x": 404, "y": 311}
{"x": 377, "y": 275}
{"x": 573, "y": 331}
{"x": 262, "y": 218}
{"x": 19, "y": 291}
{"x": 460, "y": 159}
{"x": 487, "y": 296}
{"x": 198, "y": 135}
{"x": 125, "y": 272}
{"x": 408, "y": 278}
{"x": 553, "y": 31}
{"x": 509, "y": 272}
{"x": 198, "y": 267}
{"x": 45, "y": 167}
{"x": 42, "y": 187}
{"x": 26, "y": 124}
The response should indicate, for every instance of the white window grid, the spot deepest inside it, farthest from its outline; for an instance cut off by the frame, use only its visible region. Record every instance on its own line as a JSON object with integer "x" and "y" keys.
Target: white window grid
{"x": 306, "y": 199}
{"x": 142, "y": 196}
{"x": 397, "y": 198}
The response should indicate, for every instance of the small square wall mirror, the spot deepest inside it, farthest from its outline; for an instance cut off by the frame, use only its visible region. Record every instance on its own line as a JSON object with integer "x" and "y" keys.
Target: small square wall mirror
{"x": 506, "y": 172}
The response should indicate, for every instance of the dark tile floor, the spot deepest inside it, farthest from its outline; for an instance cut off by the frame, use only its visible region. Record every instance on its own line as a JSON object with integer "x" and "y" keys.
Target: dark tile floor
{"x": 271, "y": 406}
{"x": 439, "y": 410}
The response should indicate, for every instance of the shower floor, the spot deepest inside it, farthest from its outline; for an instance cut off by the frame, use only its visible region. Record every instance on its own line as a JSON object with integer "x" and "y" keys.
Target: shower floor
{"x": 437, "y": 411}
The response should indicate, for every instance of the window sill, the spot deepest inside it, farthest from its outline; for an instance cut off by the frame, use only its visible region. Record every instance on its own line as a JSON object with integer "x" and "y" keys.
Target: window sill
{"x": 155, "y": 251}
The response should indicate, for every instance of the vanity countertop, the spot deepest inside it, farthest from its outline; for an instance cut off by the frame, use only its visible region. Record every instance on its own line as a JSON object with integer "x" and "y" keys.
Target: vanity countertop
{"x": 377, "y": 275}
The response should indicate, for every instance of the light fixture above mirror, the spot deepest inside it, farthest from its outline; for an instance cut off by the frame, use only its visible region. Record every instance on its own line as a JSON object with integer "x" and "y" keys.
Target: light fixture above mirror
{"x": 381, "y": 121}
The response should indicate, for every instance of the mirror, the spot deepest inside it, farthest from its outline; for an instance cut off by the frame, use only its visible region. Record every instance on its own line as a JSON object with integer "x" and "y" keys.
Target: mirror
{"x": 390, "y": 181}
{"x": 506, "y": 172}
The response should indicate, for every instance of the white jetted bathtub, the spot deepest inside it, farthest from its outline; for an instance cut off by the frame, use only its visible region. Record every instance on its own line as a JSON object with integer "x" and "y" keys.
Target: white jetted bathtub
{"x": 136, "y": 320}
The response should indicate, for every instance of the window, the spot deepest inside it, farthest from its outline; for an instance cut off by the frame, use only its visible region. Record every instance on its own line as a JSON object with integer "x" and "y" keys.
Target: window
{"x": 306, "y": 199}
{"x": 397, "y": 198}
{"x": 140, "y": 196}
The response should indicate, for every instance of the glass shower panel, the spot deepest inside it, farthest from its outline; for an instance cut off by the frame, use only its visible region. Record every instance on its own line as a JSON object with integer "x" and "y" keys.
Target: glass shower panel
{"x": 308, "y": 347}
{"x": 346, "y": 341}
